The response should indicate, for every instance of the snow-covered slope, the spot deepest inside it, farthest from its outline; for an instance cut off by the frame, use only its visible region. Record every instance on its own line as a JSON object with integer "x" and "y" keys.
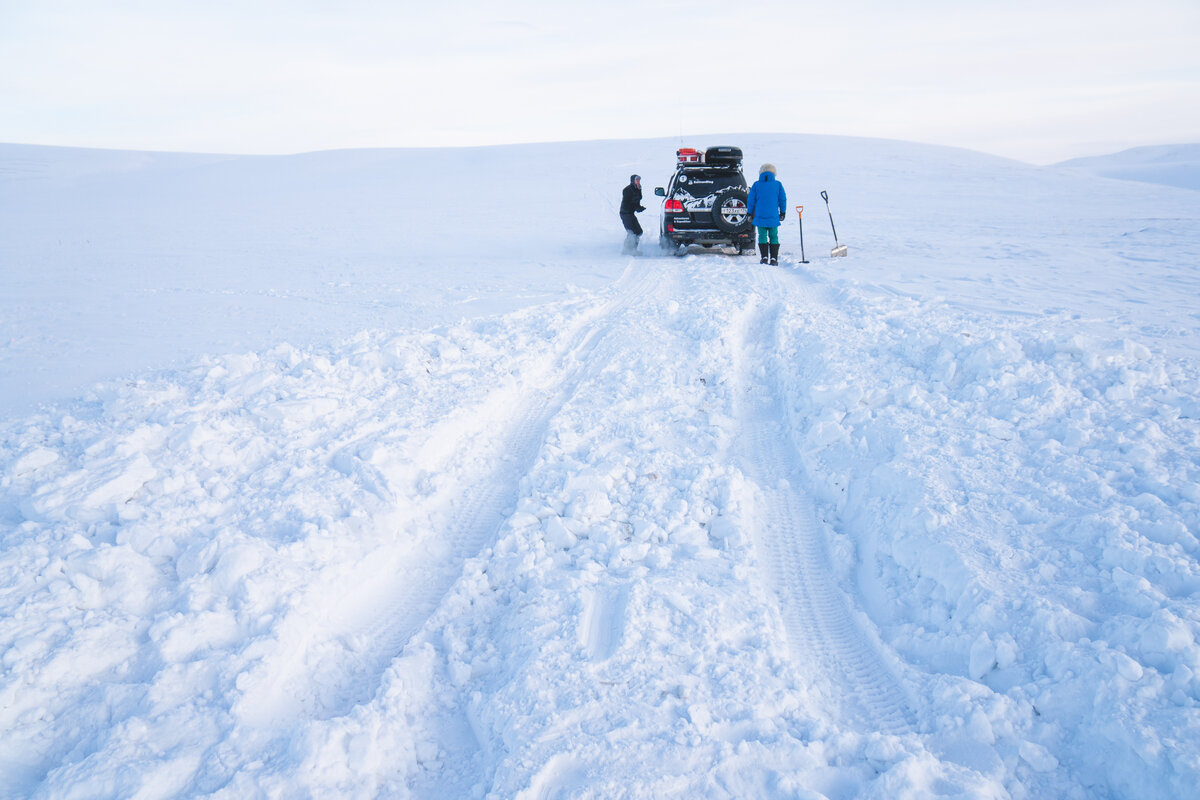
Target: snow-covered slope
{"x": 115, "y": 261}
{"x": 400, "y": 482}
{"x": 1170, "y": 165}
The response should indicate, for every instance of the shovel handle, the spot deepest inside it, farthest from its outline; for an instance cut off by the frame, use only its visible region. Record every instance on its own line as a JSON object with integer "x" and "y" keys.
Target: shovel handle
{"x": 825, "y": 197}
{"x": 799, "y": 212}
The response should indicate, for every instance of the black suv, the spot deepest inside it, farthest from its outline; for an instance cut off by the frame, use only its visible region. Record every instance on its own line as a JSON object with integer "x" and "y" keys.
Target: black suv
{"x": 706, "y": 201}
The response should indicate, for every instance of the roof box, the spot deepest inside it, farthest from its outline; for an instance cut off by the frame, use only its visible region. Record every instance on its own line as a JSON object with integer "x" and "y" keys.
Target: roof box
{"x": 723, "y": 155}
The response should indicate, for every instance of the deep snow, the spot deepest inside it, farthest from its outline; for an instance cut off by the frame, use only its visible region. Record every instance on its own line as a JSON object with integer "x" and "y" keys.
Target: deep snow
{"x": 400, "y": 481}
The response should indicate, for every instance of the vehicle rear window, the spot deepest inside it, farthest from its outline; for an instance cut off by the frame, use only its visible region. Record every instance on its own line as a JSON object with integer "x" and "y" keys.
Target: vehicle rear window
{"x": 699, "y": 183}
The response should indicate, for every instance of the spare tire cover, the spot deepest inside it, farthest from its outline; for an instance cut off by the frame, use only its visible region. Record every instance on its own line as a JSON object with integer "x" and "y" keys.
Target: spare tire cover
{"x": 729, "y": 211}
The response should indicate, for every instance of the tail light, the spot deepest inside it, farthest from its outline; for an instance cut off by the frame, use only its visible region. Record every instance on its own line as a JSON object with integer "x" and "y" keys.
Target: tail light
{"x": 673, "y": 206}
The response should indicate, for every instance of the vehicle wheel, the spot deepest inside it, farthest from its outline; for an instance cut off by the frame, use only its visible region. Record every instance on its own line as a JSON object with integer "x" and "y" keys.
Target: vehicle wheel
{"x": 729, "y": 211}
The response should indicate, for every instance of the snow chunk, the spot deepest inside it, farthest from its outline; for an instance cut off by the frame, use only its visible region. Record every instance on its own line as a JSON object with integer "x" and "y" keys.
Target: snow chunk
{"x": 983, "y": 657}
{"x": 235, "y": 563}
{"x": 1126, "y": 667}
{"x": 1038, "y": 757}
{"x": 300, "y": 413}
{"x": 700, "y": 716}
{"x": 590, "y": 506}
{"x": 122, "y": 482}
{"x": 824, "y": 434}
{"x": 32, "y": 461}
{"x": 557, "y": 534}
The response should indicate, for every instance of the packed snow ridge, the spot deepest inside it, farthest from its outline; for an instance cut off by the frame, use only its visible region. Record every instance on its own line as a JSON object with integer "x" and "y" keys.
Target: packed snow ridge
{"x": 382, "y": 474}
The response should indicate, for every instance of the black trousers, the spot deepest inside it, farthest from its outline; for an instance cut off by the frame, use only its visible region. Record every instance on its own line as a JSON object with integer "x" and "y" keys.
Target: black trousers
{"x": 631, "y": 224}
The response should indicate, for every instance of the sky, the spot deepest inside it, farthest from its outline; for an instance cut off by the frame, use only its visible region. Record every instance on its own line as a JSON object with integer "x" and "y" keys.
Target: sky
{"x": 1036, "y": 81}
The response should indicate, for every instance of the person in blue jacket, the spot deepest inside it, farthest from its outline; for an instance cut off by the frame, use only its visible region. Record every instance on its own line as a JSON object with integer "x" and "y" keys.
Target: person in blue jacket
{"x": 767, "y": 205}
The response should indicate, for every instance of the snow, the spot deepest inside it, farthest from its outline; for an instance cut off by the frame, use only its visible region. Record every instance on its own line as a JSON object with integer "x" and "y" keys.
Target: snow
{"x": 1170, "y": 165}
{"x": 383, "y": 474}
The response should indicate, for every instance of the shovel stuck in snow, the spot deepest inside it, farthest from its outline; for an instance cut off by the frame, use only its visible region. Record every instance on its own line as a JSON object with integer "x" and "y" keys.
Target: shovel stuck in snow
{"x": 839, "y": 249}
{"x": 800, "y": 219}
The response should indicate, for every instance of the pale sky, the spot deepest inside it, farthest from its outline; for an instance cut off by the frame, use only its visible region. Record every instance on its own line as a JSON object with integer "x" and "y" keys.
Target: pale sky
{"x": 1038, "y": 81}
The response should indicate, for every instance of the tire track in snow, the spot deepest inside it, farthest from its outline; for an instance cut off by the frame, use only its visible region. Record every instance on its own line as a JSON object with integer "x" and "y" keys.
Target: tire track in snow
{"x": 602, "y": 631}
{"x": 826, "y": 642}
{"x": 338, "y": 662}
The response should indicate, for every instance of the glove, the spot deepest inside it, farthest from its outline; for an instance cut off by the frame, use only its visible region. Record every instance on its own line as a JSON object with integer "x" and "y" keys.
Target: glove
{"x": 782, "y": 214}
{"x": 641, "y": 208}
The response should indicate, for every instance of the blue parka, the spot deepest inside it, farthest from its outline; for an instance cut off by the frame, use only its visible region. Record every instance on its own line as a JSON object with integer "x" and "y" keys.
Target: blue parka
{"x": 766, "y": 201}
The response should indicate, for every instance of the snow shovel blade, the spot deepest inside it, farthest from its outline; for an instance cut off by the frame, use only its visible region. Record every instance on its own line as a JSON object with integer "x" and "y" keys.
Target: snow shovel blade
{"x": 840, "y": 250}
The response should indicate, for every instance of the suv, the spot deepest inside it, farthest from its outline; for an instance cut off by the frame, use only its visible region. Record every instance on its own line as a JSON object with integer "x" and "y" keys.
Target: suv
{"x": 706, "y": 201}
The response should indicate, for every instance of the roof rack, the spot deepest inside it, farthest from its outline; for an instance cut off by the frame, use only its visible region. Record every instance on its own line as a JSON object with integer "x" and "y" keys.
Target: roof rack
{"x": 723, "y": 156}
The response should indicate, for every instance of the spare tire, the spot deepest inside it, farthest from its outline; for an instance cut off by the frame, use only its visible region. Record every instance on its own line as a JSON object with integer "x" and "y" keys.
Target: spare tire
{"x": 729, "y": 211}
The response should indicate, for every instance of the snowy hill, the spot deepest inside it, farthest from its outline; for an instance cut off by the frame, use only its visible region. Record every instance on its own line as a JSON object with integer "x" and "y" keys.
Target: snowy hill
{"x": 1170, "y": 165}
{"x": 398, "y": 481}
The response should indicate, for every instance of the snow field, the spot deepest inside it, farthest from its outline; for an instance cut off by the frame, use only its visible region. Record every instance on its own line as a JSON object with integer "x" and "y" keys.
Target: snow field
{"x": 265, "y": 638}
{"x": 1017, "y": 508}
{"x": 921, "y": 522}
{"x": 181, "y": 543}
{"x": 1172, "y": 165}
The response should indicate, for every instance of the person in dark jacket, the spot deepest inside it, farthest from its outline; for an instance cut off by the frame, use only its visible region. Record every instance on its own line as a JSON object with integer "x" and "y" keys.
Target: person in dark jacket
{"x": 631, "y": 203}
{"x": 767, "y": 204}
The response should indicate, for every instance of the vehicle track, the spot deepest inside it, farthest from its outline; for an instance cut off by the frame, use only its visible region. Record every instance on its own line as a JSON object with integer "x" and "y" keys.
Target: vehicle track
{"x": 388, "y": 596}
{"x": 827, "y": 643}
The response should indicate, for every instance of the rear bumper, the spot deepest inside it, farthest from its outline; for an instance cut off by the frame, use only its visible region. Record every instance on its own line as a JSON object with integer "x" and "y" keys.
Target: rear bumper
{"x": 707, "y": 235}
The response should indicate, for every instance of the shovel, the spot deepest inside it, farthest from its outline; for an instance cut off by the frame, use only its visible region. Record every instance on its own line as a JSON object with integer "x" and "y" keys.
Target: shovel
{"x": 800, "y": 219}
{"x": 840, "y": 249}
